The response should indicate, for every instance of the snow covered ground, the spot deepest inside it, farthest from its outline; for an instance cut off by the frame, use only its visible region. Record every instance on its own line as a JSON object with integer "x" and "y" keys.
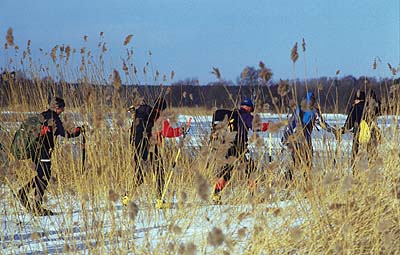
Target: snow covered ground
{"x": 109, "y": 227}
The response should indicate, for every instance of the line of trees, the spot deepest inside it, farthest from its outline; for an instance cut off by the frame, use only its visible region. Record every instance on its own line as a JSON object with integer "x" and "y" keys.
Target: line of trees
{"x": 334, "y": 94}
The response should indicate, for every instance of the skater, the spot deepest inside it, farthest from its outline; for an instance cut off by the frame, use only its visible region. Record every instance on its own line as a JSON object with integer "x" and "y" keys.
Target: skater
{"x": 361, "y": 121}
{"x": 240, "y": 121}
{"x": 143, "y": 137}
{"x": 297, "y": 134}
{"x": 41, "y": 156}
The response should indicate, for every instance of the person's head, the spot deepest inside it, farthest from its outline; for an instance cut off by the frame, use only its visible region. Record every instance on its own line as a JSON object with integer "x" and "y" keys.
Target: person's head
{"x": 310, "y": 99}
{"x": 247, "y": 105}
{"x": 57, "y": 104}
{"x": 359, "y": 97}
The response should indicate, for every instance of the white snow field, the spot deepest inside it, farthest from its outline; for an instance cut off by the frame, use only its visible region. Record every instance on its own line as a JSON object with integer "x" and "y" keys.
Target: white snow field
{"x": 86, "y": 226}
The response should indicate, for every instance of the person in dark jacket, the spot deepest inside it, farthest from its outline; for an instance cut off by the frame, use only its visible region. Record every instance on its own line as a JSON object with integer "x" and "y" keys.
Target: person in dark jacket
{"x": 365, "y": 107}
{"x": 297, "y": 134}
{"x": 241, "y": 122}
{"x": 146, "y": 141}
{"x": 52, "y": 128}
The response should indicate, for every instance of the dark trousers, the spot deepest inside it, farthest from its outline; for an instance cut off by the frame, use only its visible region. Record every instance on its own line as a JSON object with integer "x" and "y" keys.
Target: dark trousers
{"x": 302, "y": 156}
{"x": 156, "y": 164}
{"x": 39, "y": 182}
{"x": 227, "y": 169}
{"x": 371, "y": 150}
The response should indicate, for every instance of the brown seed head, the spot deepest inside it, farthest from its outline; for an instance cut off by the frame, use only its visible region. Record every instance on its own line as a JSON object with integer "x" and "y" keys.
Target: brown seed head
{"x": 117, "y": 83}
{"x": 202, "y": 187}
{"x": 216, "y": 237}
{"x": 133, "y": 210}
{"x": 53, "y": 53}
{"x": 294, "y": 54}
{"x": 265, "y": 74}
{"x": 10, "y": 37}
{"x": 283, "y": 88}
{"x": 112, "y": 196}
{"x": 128, "y": 39}
{"x": 242, "y": 232}
{"x": 104, "y": 48}
{"x": 303, "y": 45}
{"x": 216, "y": 72}
{"x": 244, "y": 73}
{"x": 296, "y": 233}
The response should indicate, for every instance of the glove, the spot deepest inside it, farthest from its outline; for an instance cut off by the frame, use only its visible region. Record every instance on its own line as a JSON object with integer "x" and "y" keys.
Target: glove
{"x": 264, "y": 126}
{"x": 78, "y": 131}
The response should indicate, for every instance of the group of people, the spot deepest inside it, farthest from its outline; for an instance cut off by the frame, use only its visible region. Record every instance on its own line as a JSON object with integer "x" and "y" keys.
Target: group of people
{"x": 145, "y": 140}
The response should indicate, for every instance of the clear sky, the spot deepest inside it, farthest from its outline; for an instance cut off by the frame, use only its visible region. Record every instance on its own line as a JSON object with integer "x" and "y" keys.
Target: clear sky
{"x": 192, "y": 36}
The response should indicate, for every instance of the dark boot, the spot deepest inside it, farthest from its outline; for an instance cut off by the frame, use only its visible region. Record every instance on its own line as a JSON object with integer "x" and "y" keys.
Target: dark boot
{"x": 38, "y": 210}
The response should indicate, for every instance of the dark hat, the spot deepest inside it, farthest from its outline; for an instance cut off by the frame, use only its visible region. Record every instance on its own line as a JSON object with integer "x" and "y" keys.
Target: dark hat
{"x": 160, "y": 104}
{"x": 360, "y": 95}
{"x": 56, "y": 102}
{"x": 247, "y": 101}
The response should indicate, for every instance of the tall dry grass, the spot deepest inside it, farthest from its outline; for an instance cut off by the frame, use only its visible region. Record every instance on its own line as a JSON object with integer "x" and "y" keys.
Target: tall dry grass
{"x": 334, "y": 212}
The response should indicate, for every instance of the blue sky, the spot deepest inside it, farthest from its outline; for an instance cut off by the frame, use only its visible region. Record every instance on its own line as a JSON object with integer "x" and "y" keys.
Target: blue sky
{"x": 190, "y": 37}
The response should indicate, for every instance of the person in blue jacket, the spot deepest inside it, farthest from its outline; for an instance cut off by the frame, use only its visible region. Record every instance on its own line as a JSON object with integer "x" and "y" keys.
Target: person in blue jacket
{"x": 298, "y": 131}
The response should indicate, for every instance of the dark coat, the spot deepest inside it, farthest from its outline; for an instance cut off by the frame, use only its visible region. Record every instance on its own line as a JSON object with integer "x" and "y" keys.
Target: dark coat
{"x": 52, "y": 128}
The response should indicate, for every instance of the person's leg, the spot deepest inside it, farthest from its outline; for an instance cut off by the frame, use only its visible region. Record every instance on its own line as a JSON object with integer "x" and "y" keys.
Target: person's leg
{"x": 226, "y": 172}
{"x": 141, "y": 154}
{"x": 25, "y": 190}
{"x": 41, "y": 181}
{"x": 159, "y": 172}
{"x": 354, "y": 152}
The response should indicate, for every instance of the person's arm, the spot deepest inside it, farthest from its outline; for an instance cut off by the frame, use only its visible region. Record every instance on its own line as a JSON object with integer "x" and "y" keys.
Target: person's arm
{"x": 168, "y": 131}
{"x": 351, "y": 119}
{"x": 264, "y": 126}
{"x": 60, "y": 130}
{"x": 319, "y": 120}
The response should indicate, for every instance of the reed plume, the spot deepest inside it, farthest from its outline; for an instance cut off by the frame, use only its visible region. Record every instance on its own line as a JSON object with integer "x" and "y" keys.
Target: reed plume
{"x": 10, "y": 37}
{"x": 128, "y": 39}
{"x": 216, "y": 72}
{"x": 294, "y": 54}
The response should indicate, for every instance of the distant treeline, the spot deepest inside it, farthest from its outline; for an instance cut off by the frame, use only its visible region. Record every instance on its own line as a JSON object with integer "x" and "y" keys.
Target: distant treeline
{"x": 333, "y": 94}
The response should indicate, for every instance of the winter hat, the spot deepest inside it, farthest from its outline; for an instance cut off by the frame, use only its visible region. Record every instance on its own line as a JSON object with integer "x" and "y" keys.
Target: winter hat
{"x": 247, "y": 102}
{"x": 360, "y": 95}
{"x": 56, "y": 102}
{"x": 160, "y": 104}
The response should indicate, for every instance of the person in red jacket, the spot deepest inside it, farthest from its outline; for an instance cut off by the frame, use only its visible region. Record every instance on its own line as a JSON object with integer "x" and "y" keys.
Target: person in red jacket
{"x": 143, "y": 136}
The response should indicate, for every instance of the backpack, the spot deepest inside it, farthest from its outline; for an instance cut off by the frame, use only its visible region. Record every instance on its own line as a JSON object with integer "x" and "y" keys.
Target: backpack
{"x": 364, "y": 135}
{"x": 141, "y": 123}
{"x": 25, "y": 138}
{"x": 221, "y": 114}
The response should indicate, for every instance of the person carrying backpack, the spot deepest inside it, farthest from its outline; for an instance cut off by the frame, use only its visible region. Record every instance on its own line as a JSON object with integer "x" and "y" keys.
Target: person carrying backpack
{"x": 361, "y": 121}
{"x": 41, "y": 156}
{"x": 143, "y": 137}
{"x": 297, "y": 133}
{"x": 240, "y": 121}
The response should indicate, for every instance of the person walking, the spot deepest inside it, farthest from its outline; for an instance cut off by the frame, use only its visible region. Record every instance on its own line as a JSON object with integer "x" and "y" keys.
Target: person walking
{"x": 41, "y": 156}
{"x": 241, "y": 121}
{"x": 361, "y": 122}
{"x": 146, "y": 142}
{"x": 297, "y": 134}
